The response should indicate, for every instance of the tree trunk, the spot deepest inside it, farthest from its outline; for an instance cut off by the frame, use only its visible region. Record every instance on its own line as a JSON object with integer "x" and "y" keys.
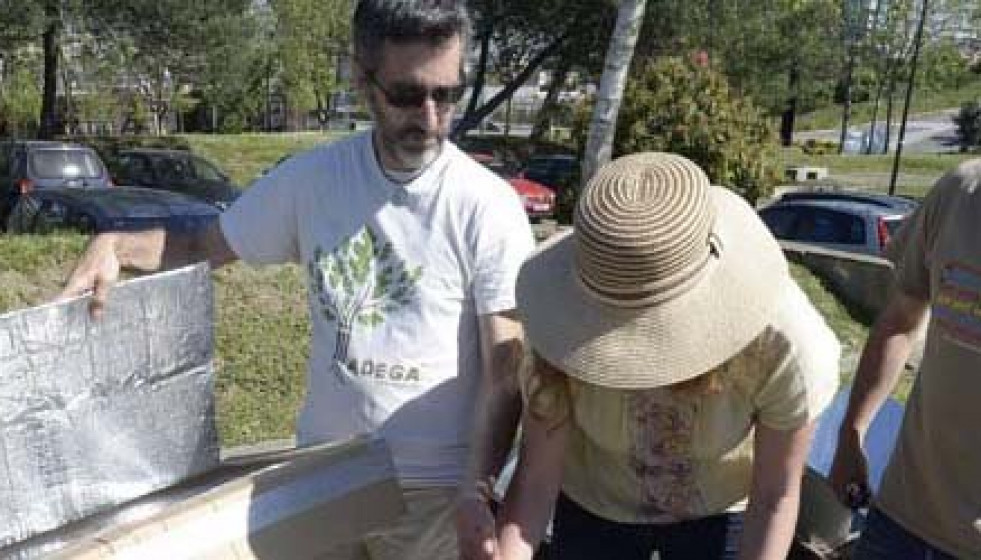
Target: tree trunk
{"x": 891, "y": 92}
{"x": 479, "y": 75}
{"x": 875, "y": 115}
{"x": 602, "y": 128}
{"x": 543, "y": 121}
{"x": 49, "y": 98}
{"x": 471, "y": 120}
{"x": 846, "y": 108}
{"x": 790, "y": 113}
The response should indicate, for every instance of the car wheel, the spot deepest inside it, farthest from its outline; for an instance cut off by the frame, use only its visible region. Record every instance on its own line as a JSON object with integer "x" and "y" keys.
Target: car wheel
{"x": 23, "y": 217}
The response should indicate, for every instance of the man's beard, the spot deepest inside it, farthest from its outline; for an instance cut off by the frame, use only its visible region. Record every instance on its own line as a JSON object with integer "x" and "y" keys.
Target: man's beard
{"x": 414, "y": 148}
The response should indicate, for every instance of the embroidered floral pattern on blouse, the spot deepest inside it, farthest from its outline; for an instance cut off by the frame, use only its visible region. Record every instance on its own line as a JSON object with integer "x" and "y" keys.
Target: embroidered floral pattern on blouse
{"x": 660, "y": 455}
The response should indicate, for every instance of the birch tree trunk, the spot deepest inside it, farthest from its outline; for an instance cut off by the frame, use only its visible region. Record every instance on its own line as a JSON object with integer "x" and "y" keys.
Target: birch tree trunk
{"x": 599, "y": 143}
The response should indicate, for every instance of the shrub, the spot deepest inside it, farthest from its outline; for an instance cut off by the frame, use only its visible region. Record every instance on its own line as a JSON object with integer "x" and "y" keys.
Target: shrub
{"x": 673, "y": 105}
{"x": 968, "y": 121}
{"x": 815, "y": 147}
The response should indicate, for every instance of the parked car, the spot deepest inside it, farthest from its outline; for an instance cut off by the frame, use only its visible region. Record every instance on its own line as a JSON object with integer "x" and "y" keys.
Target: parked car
{"x": 175, "y": 170}
{"x": 100, "y": 210}
{"x": 553, "y": 171}
{"x": 840, "y": 220}
{"x": 900, "y": 203}
{"x": 538, "y": 200}
{"x": 28, "y": 165}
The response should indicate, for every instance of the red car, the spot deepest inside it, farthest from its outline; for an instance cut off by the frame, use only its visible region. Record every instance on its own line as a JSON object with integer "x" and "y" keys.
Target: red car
{"x": 539, "y": 200}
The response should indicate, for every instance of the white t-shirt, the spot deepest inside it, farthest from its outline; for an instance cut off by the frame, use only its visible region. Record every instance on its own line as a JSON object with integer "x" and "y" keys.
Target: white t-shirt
{"x": 397, "y": 277}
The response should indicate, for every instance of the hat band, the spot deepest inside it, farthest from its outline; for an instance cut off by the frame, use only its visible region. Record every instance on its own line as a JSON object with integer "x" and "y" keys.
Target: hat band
{"x": 659, "y": 292}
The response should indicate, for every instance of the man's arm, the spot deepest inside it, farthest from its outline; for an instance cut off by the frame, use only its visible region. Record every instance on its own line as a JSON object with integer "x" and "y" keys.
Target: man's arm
{"x": 886, "y": 351}
{"x": 497, "y": 411}
{"x": 778, "y": 465}
{"x": 146, "y": 251}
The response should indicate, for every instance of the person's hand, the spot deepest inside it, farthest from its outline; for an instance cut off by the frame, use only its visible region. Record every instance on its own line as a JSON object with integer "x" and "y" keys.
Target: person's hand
{"x": 97, "y": 270}
{"x": 476, "y": 529}
{"x": 849, "y": 476}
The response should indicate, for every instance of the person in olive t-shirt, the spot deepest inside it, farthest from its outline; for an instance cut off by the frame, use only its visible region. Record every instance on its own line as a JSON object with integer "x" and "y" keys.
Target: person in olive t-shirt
{"x": 929, "y": 505}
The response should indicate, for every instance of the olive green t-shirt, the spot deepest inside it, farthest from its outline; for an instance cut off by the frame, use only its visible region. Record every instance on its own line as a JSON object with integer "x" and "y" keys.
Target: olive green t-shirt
{"x": 660, "y": 455}
{"x": 932, "y": 485}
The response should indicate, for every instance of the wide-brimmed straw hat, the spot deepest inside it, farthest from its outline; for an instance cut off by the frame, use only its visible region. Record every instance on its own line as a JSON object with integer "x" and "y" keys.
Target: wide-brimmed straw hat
{"x": 663, "y": 277}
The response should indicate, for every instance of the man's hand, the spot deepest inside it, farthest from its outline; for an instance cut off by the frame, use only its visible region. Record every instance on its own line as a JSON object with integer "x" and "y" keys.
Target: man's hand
{"x": 849, "y": 474}
{"x": 98, "y": 271}
{"x": 476, "y": 529}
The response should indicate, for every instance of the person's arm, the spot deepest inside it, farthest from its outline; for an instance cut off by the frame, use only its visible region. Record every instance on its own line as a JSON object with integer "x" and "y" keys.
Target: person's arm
{"x": 497, "y": 411}
{"x": 527, "y": 507}
{"x": 774, "y": 496}
{"x": 883, "y": 358}
{"x": 146, "y": 251}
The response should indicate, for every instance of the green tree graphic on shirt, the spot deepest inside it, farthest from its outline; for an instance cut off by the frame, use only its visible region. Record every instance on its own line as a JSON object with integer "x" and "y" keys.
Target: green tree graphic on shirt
{"x": 360, "y": 282}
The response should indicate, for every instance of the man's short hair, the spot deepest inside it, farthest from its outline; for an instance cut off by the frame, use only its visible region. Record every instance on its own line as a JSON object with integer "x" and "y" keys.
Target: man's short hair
{"x": 406, "y": 21}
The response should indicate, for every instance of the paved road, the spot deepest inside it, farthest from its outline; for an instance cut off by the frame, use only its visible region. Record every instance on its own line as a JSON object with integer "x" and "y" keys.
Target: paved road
{"x": 931, "y": 133}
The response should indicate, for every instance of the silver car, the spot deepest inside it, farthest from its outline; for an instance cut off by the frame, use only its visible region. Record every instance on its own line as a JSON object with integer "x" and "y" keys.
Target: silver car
{"x": 841, "y": 220}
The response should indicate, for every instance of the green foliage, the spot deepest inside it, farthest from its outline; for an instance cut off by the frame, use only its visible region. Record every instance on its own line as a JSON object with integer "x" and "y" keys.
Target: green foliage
{"x": 310, "y": 36}
{"x": 943, "y": 67}
{"x": 755, "y": 44}
{"x": 968, "y": 121}
{"x": 676, "y": 106}
{"x": 20, "y": 102}
{"x": 813, "y": 146}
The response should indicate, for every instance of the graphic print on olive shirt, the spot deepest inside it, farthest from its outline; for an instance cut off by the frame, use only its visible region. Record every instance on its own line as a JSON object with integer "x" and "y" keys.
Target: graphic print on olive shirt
{"x": 359, "y": 284}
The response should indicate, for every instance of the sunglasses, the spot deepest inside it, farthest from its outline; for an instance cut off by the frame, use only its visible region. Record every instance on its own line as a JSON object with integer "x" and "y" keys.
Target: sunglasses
{"x": 405, "y": 96}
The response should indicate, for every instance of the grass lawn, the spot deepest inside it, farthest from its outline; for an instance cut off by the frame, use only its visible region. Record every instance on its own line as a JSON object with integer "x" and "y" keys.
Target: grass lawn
{"x": 917, "y": 172}
{"x": 245, "y": 156}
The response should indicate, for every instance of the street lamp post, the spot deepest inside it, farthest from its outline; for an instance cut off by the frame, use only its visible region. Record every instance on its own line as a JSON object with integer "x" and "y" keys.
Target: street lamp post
{"x": 918, "y": 39}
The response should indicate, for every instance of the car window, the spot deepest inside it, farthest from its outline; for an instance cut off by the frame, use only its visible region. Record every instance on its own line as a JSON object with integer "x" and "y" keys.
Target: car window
{"x": 174, "y": 170}
{"x": 780, "y": 221}
{"x": 58, "y": 163}
{"x": 204, "y": 170}
{"x": 825, "y": 226}
{"x": 136, "y": 170}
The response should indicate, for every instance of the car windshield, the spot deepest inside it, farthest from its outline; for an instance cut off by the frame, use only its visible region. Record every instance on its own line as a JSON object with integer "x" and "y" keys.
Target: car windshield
{"x": 61, "y": 163}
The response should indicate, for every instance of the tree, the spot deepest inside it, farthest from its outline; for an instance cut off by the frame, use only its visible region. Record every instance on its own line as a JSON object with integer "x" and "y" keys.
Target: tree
{"x": 599, "y": 145}
{"x": 529, "y": 34}
{"x": 784, "y": 54}
{"x": 40, "y": 23}
{"x": 20, "y": 101}
{"x": 164, "y": 45}
{"x": 679, "y": 106}
{"x": 311, "y": 36}
{"x": 968, "y": 121}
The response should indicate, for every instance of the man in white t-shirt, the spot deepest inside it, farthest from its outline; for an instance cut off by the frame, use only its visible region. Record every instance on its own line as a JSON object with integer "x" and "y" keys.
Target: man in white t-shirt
{"x": 411, "y": 250}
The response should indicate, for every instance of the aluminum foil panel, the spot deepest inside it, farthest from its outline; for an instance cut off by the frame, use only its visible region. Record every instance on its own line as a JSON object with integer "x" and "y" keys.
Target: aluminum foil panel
{"x": 94, "y": 413}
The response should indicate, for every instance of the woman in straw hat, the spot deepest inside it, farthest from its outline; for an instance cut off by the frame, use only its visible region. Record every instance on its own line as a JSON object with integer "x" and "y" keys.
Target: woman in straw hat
{"x": 678, "y": 372}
